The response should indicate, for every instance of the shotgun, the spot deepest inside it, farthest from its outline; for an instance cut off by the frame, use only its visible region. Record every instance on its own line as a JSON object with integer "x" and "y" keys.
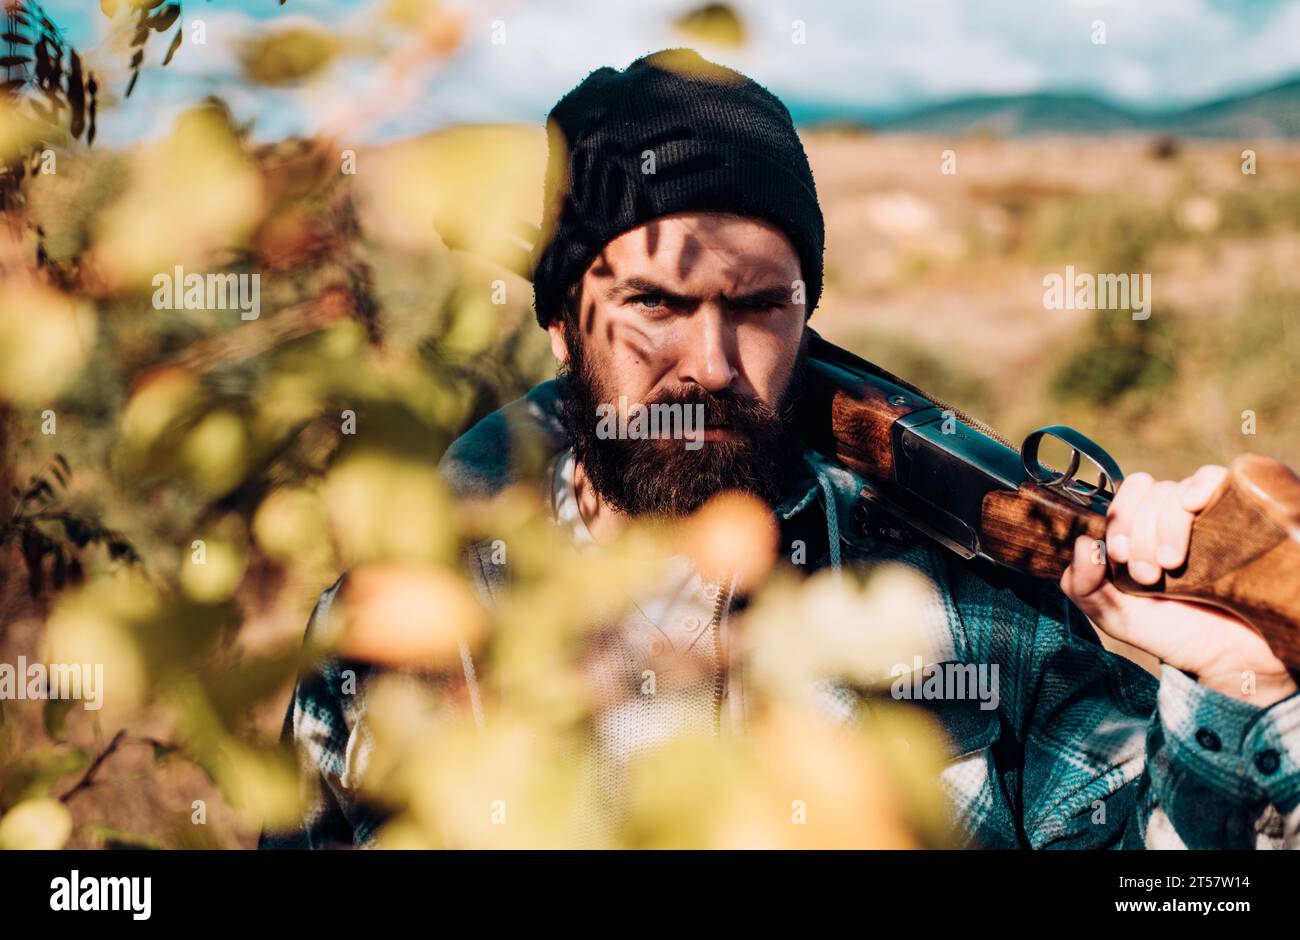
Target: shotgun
{"x": 957, "y": 481}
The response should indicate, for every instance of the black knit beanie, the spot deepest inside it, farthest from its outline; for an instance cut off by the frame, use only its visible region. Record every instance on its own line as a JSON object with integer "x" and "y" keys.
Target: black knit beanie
{"x": 720, "y": 141}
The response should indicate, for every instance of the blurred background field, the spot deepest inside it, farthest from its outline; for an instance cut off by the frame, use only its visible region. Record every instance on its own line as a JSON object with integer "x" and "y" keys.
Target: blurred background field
{"x": 940, "y": 278}
{"x": 176, "y": 425}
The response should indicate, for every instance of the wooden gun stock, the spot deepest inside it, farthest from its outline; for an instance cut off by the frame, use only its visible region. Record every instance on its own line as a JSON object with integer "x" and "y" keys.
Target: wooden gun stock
{"x": 1244, "y": 554}
{"x": 957, "y": 481}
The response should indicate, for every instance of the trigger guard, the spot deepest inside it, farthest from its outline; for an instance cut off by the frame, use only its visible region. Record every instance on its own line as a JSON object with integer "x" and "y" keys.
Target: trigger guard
{"x": 1082, "y": 446}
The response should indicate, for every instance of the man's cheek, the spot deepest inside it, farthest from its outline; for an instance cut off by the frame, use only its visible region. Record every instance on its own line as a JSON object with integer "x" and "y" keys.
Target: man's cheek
{"x": 633, "y": 378}
{"x": 623, "y": 336}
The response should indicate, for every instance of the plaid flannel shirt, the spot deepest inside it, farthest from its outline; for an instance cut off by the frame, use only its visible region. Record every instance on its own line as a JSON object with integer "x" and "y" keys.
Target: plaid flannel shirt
{"x": 1084, "y": 750}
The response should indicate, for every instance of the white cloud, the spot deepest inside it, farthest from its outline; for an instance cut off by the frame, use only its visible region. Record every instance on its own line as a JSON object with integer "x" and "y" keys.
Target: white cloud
{"x": 879, "y": 57}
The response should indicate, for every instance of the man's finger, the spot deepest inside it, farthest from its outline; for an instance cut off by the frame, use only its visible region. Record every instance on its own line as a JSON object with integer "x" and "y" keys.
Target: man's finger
{"x": 1144, "y": 538}
{"x": 1085, "y": 583}
{"x": 1119, "y": 518}
{"x": 1087, "y": 569}
{"x": 1200, "y": 486}
{"x": 1173, "y": 530}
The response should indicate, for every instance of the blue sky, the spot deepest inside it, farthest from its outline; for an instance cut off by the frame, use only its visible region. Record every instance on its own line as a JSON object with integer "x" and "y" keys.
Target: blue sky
{"x": 865, "y": 56}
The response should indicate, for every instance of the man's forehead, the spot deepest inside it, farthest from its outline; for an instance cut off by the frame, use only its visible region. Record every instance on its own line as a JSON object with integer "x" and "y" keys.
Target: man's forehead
{"x": 693, "y": 251}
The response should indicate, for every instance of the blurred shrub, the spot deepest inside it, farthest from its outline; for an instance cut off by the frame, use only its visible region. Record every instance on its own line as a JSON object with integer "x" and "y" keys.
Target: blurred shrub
{"x": 1258, "y": 210}
{"x": 212, "y": 467}
{"x": 1119, "y": 358}
{"x": 1108, "y": 233}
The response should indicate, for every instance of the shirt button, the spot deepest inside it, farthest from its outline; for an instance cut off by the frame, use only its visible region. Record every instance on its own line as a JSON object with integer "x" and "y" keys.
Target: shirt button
{"x": 1268, "y": 761}
{"x": 691, "y": 623}
{"x": 1208, "y": 739}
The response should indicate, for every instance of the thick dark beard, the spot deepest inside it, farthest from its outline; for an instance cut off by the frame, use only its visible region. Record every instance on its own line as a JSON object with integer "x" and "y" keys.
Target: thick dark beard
{"x": 661, "y": 477}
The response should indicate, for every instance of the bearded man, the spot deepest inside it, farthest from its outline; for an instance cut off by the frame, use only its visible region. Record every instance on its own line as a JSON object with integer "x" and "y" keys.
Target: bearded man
{"x": 680, "y": 261}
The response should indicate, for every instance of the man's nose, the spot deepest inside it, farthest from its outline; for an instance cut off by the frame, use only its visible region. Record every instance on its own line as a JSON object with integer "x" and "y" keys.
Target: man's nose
{"x": 708, "y": 356}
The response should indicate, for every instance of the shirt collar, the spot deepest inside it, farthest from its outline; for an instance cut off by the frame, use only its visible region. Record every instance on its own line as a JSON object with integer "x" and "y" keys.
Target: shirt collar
{"x": 801, "y": 492}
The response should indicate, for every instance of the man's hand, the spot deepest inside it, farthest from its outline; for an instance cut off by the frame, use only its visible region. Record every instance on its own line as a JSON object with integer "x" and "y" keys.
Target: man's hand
{"x": 1148, "y": 528}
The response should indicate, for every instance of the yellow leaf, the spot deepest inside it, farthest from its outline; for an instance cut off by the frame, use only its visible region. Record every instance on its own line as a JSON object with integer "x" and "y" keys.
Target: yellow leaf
{"x": 45, "y": 339}
{"x": 292, "y": 526}
{"x": 159, "y": 405}
{"x": 408, "y": 615}
{"x": 847, "y": 629}
{"x": 211, "y": 572}
{"x": 215, "y": 452}
{"x": 477, "y": 189}
{"x": 190, "y": 195}
{"x": 287, "y": 56}
{"x": 384, "y": 508}
{"x": 262, "y": 785}
{"x": 18, "y": 129}
{"x": 732, "y": 534}
{"x": 714, "y": 22}
{"x": 95, "y": 624}
{"x": 40, "y": 823}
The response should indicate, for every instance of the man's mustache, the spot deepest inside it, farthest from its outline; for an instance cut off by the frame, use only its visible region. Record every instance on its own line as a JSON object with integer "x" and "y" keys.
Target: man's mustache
{"x": 721, "y": 409}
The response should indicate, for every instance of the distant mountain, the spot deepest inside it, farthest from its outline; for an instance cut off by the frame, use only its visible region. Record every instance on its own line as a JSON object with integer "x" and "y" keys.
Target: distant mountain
{"x": 1272, "y": 112}
{"x": 1017, "y": 115}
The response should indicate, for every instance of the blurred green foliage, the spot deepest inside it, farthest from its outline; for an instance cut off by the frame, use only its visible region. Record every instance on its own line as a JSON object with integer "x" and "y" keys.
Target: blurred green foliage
{"x": 1120, "y": 357}
{"x": 219, "y": 472}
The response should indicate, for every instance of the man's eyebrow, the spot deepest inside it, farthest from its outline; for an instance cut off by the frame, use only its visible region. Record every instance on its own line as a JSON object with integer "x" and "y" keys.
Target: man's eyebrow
{"x": 640, "y": 285}
{"x": 771, "y": 294}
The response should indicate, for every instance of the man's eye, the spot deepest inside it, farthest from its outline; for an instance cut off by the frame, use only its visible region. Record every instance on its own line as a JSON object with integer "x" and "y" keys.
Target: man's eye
{"x": 649, "y": 301}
